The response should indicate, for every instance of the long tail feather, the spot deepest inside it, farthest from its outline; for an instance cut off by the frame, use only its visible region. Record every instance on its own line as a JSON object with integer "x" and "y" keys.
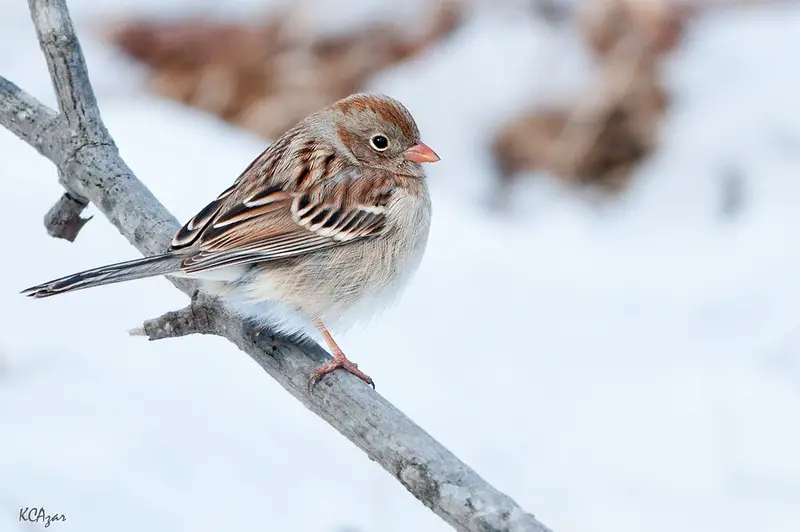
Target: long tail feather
{"x": 113, "y": 273}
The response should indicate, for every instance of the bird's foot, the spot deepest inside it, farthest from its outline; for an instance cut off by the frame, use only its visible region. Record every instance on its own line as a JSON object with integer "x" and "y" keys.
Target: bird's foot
{"x": 339, "y": 362}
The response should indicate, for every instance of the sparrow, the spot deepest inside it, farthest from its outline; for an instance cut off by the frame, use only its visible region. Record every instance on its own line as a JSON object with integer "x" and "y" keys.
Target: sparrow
{"x": 323, "y": 229}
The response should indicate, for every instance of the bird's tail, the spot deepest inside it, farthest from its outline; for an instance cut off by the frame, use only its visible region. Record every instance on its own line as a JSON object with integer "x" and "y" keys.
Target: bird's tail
{"x": 113, "y": 273}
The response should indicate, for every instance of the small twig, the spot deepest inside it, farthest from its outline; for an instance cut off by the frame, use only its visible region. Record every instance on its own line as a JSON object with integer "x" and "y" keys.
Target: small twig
{"x": 64, "y": 220}
{"x": 198, "y": 317}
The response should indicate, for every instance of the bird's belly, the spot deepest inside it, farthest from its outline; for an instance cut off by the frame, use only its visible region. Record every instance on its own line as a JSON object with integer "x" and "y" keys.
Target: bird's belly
{"x": 342, "y": 286}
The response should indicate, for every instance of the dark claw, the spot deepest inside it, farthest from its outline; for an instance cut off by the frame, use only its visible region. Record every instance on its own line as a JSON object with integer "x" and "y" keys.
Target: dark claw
{"x": 312, "y": 381}
{"x": 255, "y": 332}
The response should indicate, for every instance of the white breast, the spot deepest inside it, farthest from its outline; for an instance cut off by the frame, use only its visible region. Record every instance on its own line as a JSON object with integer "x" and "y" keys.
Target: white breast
{"x": 393, "y": 260}
{"x": 343, "y": 286}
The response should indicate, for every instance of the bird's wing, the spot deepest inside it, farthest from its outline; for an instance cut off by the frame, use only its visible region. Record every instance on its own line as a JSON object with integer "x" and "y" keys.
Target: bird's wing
{"x": 268, "y": 215}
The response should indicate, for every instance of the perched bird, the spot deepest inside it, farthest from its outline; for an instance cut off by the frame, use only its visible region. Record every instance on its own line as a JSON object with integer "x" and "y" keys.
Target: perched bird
{"x": 323, "y": 229}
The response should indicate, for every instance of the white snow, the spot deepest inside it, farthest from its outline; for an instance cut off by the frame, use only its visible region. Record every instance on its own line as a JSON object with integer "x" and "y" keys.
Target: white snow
{"x": 627, "y": 368}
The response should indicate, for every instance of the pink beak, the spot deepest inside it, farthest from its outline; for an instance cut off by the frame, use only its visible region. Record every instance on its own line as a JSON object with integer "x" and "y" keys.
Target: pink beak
{"x": 420, "y": 153}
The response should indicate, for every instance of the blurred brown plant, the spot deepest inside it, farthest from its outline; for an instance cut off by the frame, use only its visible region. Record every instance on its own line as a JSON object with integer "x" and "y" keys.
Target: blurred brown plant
{"x": 268, "y": 75}
{"x": 655, "y": 24}
{"x": 600, "y": 137}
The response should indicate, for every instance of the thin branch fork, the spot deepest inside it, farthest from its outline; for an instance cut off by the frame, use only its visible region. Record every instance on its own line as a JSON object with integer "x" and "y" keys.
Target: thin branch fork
{"x": 91, "y": 170}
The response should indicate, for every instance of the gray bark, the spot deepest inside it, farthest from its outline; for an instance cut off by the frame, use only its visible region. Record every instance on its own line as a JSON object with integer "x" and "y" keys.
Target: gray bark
{"x": 64, "y": 219}
{"x": 90, "y": 168}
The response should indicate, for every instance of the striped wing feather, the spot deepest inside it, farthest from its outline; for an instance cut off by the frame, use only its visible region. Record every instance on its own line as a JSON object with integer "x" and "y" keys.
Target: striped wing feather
{"x": 270, "y": 217}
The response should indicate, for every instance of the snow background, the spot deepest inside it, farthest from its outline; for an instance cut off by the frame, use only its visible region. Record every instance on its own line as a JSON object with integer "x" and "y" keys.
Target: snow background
{"x": 631, "y": 367}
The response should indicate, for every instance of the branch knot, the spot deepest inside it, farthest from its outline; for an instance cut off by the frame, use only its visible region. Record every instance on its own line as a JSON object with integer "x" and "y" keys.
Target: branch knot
{"x": 198, "y": 317}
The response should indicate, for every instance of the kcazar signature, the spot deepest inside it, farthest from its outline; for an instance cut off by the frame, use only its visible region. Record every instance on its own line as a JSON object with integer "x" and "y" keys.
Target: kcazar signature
{"x": 39, "y": 515}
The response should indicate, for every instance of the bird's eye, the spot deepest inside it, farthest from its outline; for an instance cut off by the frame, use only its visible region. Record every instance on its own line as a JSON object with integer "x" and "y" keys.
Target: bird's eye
{"x": 379, "y": 142}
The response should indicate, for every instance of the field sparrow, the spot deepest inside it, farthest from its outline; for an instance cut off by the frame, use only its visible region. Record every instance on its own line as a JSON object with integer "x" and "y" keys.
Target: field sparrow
{"x": 324, "y": 228}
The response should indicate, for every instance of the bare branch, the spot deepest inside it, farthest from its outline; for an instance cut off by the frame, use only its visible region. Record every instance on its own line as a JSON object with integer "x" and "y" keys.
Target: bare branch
{"x": 64, "y": 57}
{"x": 27, "y": 118}
{"x": 90, "y": 167}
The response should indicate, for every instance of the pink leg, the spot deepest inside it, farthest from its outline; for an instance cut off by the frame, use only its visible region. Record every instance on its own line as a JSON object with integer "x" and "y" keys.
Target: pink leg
{"x": 340, "y": 361}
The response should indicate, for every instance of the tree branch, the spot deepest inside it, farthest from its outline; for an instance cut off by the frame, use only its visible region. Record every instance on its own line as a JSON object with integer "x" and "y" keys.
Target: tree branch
{"x": 28, "y": 119}
{"x": 68, "y": 72}
{"x": 89, "y": 166}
